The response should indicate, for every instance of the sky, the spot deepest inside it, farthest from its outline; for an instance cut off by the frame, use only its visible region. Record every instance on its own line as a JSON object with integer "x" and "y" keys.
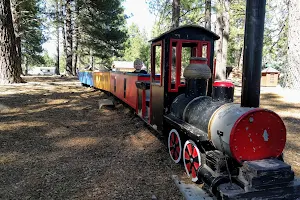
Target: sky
{"x": 141, "y": 16}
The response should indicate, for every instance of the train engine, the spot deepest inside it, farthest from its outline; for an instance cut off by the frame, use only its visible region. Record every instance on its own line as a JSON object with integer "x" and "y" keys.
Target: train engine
{"x": 235, "y": 151}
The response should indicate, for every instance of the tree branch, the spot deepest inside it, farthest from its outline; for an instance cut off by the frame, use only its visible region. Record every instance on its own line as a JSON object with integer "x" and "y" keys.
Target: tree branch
{"x": 278, "y": 35}
{"x": 195, "y": 8}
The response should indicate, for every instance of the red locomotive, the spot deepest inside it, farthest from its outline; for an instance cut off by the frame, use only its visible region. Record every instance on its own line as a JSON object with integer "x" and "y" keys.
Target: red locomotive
{"x": 234, "y": 149}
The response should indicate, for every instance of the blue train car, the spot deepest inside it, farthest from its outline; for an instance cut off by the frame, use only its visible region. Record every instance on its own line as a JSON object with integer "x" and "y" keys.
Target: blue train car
{"x": 86, "y": 78}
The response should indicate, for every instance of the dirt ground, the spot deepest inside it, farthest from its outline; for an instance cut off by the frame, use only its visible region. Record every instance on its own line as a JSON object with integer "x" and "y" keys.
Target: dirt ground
{"x": 57, "y": 144}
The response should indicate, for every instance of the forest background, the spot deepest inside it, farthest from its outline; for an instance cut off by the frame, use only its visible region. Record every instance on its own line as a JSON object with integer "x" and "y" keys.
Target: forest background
{"x": 94, "y": 33}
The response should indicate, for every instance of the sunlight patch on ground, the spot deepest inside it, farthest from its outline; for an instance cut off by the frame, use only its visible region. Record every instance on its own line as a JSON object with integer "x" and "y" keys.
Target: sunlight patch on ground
{"x": 287, "y": 113}
{"x": 11, "y": 112}
{"x": 105, "y": 111}
{"x": 291, "y": 96}
{"x": 78, "y": 108}
{"x": 292, "y": 158}
{"x": 56, "y": 101}
{"x": 14, "y": 125}
{"x": 141, "y": 140}
{"x": 37, "y": 109}
{"x": 25, "y": 89}
{"x": 293, "y": 143}
{"x": 78, "y": 142}
{"x": 287, "y": 95}
{"x": 45, "y": 106}
{"x": 86, "y": 96}
{"x": 57, "y": 132}
{"x": 4, "y": 108}
{"x": 69, "y": 106}
{"x": 6, "y": 158}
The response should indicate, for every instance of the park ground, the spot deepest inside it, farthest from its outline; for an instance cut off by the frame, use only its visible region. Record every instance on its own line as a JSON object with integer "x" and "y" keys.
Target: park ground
{"x": 57, "y": 144}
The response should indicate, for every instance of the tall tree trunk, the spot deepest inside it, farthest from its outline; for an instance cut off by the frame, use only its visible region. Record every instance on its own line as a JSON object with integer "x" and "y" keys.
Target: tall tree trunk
{"x": 63, "y": 24}
{"x": 15, "y": 9}
{"x": 26, "y": 65}
{"x": 57, "y": 38}
{"x": 91, "y": 60}
{"x": 208, "y": 14}
{"x": 293, "y": 70}
{"x": 9, "y": 72}
{"x": 175, "y": 13}
{"x": 69, "y": 41}
{"x": 240, "y": 61}
{"x": 76, "y": 38}
{"x": 222, "y": 29}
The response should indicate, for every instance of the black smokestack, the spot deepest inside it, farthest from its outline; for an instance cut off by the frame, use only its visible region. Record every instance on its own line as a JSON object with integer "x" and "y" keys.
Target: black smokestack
{"x": 253, "y": 45}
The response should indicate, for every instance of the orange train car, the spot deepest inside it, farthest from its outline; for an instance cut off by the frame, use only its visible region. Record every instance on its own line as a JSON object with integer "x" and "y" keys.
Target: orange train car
{"x": 102, "y": 80}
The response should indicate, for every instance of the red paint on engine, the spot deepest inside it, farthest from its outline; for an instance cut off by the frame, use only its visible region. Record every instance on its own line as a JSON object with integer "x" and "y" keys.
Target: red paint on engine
{"x": 258, "y": 134}
{"x": 223, "y": 84}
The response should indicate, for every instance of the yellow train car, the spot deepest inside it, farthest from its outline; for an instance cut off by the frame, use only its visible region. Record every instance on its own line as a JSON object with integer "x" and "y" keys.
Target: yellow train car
{"x": 102, "y": 80}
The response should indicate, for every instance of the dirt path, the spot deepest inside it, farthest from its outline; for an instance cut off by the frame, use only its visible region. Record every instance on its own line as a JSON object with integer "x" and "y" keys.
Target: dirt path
{"x": 56, "y": 144}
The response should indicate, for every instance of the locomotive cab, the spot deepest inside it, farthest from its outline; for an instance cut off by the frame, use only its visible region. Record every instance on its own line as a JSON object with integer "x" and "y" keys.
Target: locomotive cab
{"x": 170, "y": 55}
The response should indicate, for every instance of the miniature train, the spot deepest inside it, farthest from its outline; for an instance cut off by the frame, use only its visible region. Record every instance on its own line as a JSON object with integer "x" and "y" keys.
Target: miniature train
{"x": 235, "y": 150}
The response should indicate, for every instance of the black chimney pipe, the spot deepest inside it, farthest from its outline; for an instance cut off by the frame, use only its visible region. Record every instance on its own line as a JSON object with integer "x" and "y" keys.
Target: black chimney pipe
{"x": 253, "y": 45}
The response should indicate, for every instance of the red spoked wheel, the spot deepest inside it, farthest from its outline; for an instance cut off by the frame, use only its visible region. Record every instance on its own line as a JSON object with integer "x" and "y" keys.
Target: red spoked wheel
{"x": 191, "y": 159}
{"x": 174, "y": 145}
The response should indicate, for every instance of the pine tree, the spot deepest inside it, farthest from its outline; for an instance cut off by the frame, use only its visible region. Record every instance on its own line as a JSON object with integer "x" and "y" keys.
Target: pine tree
{"x": 293, "y": 71}
{"x": 30, "y": 31}
{"x": 9, "y": 72}
{"x": 102, "y": 28}
{"x": 137, "y": 46}
{"x": 63, "y": 24}
{"x": 57, "y": 17}
{"x": 208, "y": 14}
{"x": 175, "y": 13}
{"x": 222, "y": 29}
{"x": 76, "y": 37}
{"x": 69, "y": 38}
{"x": 190, "y": 12}
{"x": 237, "y": 25}
{"x": 15, "y": 9}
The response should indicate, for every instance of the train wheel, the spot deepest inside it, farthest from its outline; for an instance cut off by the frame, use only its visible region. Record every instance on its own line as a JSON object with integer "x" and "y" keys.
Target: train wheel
{"x": 174, "y": 145}
{"x": 191, "y": 159}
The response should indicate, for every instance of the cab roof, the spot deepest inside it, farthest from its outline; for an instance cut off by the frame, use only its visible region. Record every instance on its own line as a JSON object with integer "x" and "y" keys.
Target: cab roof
{"x": 187, "y": 32}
